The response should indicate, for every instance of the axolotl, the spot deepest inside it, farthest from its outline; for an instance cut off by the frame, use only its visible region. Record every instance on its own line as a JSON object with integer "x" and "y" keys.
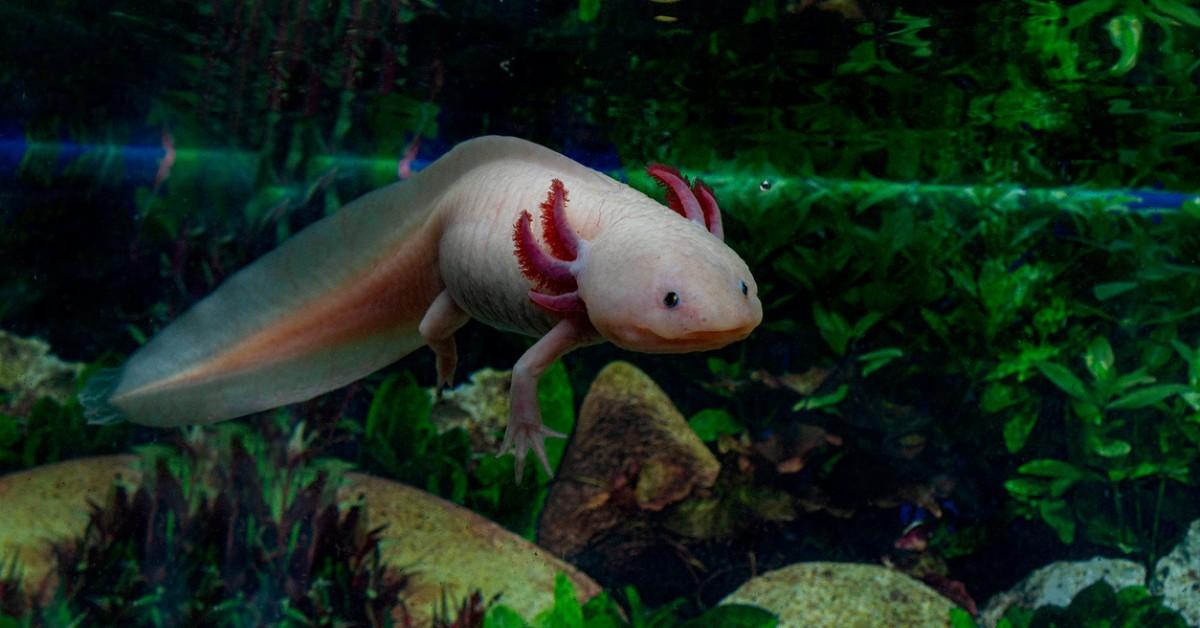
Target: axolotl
{"x": 410, "y": 263}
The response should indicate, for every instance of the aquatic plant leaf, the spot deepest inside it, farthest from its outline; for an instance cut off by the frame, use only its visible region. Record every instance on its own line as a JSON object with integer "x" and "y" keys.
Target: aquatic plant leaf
{"x": 1106, "y": 291}
{"x": 1016, "y": 616}
{"x": 589, "y": 9}
{"x": 566, "y": 612}
{"x": 711, "y": 423}
{"x": 876, "y": 360}
{"x": 833, "y": 327}
{"x": 1048, "y": 467}
{"x": 500, "y": 616}
{"x": 1062, "y": 377}
{"x": 734, "y": 616}
{"x": 1134, "y": 378}
{"x": 1125, "y": 32}
{"x": 1099, "y": 359}
{"x": 998, "y": 396}
{"x": 1108, "y": 447}
{"x": 759, "y": 10}
{"x": 883, "y": 192}
{"x": 1088, "y": 412}
{"x": 1057, "y": 514}
{"x": 1017, "y": 430}
{"x": 1097, "y": 599}
{"x": 822, "y": 401}
{"x": 1143, "y": 470}
{"x": 557, "y": 400}
{"x": 1148, "y": 396}
{"x": 10, "y": 432}
{"x": 399, "y": 412}
{"x": 1179, "y": 10}
{"x": 961, "y": 618}
{"x": 863, "y": 58}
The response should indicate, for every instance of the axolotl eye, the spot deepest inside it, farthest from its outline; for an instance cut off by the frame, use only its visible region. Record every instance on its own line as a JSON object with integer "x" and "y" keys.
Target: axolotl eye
{"x": 745, "y": 289}
{"x": 671, "y": 299}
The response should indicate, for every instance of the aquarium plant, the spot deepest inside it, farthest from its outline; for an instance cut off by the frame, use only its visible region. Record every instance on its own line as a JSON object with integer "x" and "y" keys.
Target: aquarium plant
{"x": 229, "y": 528}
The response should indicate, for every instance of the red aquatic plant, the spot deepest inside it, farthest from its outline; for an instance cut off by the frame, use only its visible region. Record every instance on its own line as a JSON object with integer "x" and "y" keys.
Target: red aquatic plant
{"x": 199, "y": 543}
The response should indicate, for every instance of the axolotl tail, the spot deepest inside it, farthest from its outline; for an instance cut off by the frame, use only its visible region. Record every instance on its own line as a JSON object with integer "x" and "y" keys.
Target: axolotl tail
{"x": 334, "y": 303}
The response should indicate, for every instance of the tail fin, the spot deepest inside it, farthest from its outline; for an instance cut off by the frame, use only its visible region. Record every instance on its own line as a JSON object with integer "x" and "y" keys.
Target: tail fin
{"x": 95, "y": 395}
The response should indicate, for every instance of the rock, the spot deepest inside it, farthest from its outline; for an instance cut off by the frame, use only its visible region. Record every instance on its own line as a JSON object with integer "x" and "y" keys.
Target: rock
{"x": 632, "y": 454}
{"x": 1177, "y": 576}
{"x": 29, "y": 372}
{"x": 1057, "y": 583}
{"x": 50, "y": 504}
{"x": 446, "y": 548}
{"x": 843, "y": 594}
{"x": 449, "y": 550}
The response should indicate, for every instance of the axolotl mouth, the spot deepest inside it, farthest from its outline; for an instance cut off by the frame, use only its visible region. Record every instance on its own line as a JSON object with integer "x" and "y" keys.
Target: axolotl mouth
{"x": 645, "y": 340}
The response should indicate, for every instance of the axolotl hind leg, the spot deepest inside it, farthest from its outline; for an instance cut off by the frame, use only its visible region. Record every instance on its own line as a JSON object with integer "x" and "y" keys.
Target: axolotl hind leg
{"x": 441, "y": 320}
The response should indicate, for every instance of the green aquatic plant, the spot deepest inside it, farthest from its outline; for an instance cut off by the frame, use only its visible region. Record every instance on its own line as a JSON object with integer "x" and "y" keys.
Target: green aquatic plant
{"x": 1129, "y": 436}
{"x": 977, "y": 302}
{"x": 602, "y": 611}
{"x": 14, "y": 602}
{"x": 400, "y": 441}
{"x": 54, "y": 431}
{"x": 1097, "y": 605}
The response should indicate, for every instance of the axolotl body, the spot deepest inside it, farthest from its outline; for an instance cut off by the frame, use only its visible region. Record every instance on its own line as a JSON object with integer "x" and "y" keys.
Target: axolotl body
{"x": 410, "y": 263}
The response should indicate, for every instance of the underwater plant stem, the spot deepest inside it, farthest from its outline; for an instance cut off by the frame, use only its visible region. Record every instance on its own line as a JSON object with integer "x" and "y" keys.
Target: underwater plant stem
{"x": 1158, "y": 500}
{"x": 1120, "y": 508}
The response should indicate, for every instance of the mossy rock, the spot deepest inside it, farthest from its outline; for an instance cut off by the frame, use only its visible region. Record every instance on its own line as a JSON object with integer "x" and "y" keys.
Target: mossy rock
{"x": 449, "y": 550}
{"x": 844, "y": 595}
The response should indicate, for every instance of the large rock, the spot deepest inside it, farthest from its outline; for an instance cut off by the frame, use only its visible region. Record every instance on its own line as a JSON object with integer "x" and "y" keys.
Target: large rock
{"x": 1177, "y": 576}
{"x": 449, "y": 550}
{"x": 1058, "y": 583}
{"x": 845, "y": 595}
{"x": 445, "y": 548}
{"x": 632, "y": 454}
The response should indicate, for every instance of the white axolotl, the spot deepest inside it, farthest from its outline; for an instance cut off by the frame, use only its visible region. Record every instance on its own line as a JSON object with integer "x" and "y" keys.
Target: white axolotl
{"x": 408, "y": 264}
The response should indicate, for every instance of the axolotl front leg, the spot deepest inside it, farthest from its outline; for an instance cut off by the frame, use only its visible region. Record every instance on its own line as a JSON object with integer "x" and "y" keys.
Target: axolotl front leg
{"x": 525, "y": 429}
{"x": 556, "y": 291}
{"x": 553, "y": 271}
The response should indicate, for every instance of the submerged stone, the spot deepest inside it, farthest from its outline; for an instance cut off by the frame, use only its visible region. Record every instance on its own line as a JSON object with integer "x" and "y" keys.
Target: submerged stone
{"x": 1058, "y": 583}
{"x": 843, "y": 594}
{"x": 1177, "y": 576}
{"x": 632, "y": 454}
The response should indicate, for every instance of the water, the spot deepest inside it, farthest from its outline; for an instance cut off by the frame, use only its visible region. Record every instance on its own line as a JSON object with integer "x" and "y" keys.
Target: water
{"x": 972, "y": 228}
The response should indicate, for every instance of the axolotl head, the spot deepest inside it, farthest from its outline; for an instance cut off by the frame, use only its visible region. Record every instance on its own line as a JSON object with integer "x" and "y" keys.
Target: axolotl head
{"x": 651, "y": 280}
{"x": 668, "y": 286}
